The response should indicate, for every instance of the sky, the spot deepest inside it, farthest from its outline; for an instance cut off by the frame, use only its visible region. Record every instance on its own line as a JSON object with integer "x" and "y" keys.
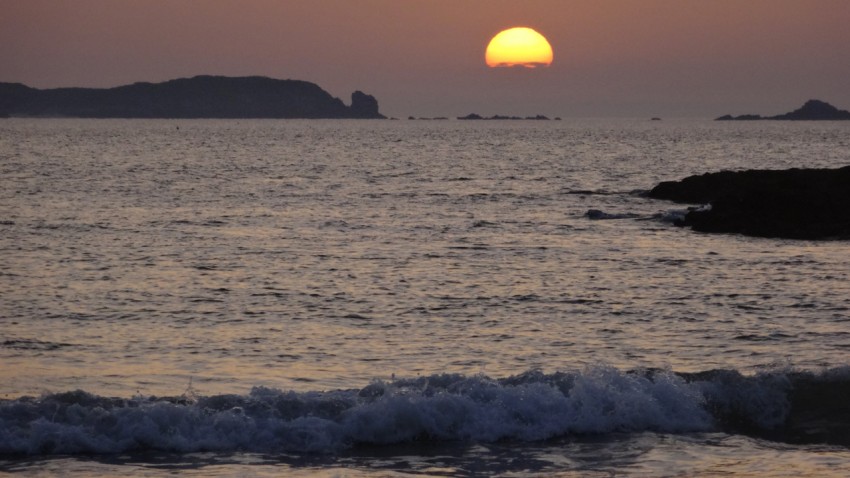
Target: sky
{"x": 612, "y": 58}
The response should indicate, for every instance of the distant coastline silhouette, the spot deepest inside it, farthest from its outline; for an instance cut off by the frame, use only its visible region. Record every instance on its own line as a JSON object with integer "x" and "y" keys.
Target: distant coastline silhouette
{"x": 197, "y": 97}
{"x": 812, "y": 110}
{"x": 475, "y": 116}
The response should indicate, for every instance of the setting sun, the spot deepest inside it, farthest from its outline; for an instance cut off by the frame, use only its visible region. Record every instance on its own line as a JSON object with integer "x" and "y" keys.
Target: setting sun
{"x": 518, "y": 46}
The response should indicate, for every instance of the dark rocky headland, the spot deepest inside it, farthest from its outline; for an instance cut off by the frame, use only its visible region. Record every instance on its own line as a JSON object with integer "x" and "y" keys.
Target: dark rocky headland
{"x": 197, "y": 97}
{"x": 812, "y": 110}
{"x": 793, "y": 203}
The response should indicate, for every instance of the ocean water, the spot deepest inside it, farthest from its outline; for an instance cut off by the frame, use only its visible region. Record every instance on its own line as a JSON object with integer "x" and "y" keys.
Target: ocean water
{"x": 410, "y": 298}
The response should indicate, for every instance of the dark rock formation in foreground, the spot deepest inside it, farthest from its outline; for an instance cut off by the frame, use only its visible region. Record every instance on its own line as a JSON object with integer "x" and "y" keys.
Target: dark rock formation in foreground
{"x": 813, "y": 110}
{"x": 793, "y": 203}
{"x": 198, "y": 97}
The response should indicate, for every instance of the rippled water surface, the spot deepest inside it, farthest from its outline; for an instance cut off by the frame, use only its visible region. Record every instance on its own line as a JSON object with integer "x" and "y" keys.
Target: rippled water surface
{"x": 143, "y": 258}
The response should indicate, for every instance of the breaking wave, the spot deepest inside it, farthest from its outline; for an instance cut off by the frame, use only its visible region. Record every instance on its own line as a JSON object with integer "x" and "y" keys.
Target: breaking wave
{"x": 788, "y": 406}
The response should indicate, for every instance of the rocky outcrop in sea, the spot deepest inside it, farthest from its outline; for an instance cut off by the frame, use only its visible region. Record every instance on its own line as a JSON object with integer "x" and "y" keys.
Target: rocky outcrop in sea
{"x": 793, "y": 203}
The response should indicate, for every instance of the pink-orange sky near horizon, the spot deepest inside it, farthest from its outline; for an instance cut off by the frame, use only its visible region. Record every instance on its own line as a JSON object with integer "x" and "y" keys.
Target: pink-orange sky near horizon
{"x": 426, "y": 58}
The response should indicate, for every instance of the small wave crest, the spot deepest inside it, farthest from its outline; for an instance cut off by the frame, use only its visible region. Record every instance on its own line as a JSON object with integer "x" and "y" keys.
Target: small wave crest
{"x": 673, "y": 216}
{"x": 597, "y": 214}
{"x": 529, "y": 407}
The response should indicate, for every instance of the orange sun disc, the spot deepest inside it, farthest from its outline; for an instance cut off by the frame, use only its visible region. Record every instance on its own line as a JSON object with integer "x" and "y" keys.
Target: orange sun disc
{"x": 518, "y": 46}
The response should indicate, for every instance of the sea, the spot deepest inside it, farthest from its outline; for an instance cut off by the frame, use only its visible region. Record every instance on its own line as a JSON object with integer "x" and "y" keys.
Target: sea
{"x": 379, "y": 298}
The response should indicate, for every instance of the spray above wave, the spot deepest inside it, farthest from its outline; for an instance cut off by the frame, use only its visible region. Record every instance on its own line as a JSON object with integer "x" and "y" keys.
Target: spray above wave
{"x": 529, "y": 407}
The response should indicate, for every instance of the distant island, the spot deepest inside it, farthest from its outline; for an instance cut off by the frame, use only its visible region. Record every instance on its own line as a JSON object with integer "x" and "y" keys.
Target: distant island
{"x": 197, "y": 97}
{"x": 792, "y": 203}
{"x": 474, "y": 116}
{"x": 813, "y": 110}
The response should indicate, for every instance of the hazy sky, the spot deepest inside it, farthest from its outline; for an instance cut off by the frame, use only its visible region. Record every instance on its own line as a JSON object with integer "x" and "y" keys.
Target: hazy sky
{"x": 426, "y": 57}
